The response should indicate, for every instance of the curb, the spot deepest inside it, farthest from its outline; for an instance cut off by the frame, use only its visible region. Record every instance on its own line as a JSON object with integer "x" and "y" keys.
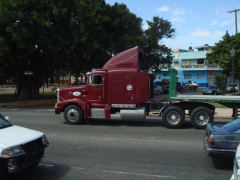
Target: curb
{"x": 29, "y": 104}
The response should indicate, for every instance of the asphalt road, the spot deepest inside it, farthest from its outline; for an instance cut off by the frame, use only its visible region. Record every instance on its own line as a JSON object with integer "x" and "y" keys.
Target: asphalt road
{"x": 116, "y": 149}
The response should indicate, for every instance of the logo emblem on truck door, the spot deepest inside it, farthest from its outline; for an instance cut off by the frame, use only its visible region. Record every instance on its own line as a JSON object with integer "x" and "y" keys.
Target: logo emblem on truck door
{"x": 76, "y": 93}
{"x": 129, "y": 87}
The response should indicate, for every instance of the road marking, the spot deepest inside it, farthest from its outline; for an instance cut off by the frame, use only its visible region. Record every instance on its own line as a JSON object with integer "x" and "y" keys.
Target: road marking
{"x": 147, "y": 140}
{"x": 139, "y": 174}
{"x": 129, "y": 173}
{"x": 47, "y": 165}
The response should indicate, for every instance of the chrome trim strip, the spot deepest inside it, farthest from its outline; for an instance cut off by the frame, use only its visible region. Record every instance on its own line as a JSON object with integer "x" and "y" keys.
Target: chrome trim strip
{"x": 123, "y": 105}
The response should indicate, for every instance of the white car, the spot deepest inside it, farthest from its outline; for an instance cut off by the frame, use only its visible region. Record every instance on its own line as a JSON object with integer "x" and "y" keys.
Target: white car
{"x": 230, "y": 87}
{"x": 236, "y": 165}
{"x": 158, "y": 89}
{"x": 19, "y": 147}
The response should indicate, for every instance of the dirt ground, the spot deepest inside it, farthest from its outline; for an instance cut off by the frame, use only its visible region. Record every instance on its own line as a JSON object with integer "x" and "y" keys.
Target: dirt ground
{"x": 8, "y": 95}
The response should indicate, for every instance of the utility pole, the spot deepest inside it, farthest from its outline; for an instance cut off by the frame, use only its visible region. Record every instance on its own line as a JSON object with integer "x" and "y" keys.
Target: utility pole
{"x": 235, "y": 11}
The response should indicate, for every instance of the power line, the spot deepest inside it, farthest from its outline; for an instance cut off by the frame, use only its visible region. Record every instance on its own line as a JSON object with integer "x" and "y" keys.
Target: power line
{"x": 235, "y": 11}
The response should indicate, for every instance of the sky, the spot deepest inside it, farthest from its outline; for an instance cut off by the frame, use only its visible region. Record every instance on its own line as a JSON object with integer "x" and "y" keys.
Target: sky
{"x": 196, "y": 22}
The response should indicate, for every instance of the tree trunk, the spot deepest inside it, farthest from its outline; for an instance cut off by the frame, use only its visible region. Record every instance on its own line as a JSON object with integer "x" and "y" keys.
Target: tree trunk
{"x": 28, "y": 87}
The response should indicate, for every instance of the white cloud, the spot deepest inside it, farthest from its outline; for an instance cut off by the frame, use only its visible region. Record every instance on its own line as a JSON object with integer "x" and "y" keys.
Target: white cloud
{"x": 204, "y": 33}
{"x": 214, "y": 23}
{"x": 226, "y": 22}
{"x": 179, "y": 11}
{"x": 145, "y": 26}
{"x": 177, "y": 19}
{"x": 163, "y": 9}
{"x": 217, "y": 11}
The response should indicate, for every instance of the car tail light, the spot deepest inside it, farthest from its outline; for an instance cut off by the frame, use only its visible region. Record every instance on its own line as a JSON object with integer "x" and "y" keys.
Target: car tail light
{"x": 210, "y": 141}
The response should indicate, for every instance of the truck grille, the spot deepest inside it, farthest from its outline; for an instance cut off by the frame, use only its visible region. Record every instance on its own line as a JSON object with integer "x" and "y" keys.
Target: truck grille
{"x": 32, "y": 146}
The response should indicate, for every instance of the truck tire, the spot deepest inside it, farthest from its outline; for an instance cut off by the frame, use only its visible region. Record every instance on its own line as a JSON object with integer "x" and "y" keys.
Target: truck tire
{"x": 173, "y": 117}
{"x": 3, "y": 171}
{"x": 200, "y": 116}
{"x": 73, "y": 115}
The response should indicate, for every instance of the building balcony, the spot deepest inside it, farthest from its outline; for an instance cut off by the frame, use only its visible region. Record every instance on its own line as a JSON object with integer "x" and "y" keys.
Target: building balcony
{"x": 200, "y": 67}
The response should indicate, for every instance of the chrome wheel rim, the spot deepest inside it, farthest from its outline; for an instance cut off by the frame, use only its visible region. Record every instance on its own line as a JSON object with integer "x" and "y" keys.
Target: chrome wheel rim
{"x": 202, "y": 118}
{"x": 173, "y": 117}
{"x": 72, "y": 115}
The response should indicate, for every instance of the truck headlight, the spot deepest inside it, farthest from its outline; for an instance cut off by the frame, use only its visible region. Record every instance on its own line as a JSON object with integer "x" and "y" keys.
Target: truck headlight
{"x": 44, "y": 140}
{"x": 13, "y": 151}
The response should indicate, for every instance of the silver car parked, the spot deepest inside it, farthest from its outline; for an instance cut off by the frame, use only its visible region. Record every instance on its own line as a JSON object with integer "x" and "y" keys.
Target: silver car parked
{"x": 236, "y": 165}
{"x": 221, "y": 140}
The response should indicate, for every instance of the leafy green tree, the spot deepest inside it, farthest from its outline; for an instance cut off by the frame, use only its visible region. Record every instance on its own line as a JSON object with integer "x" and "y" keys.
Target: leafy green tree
{"x": 157, "y": 54}
{"x": 220, "y": 82}
{"x": 221, "y": 54}
{"x": 56, "y": 36}
{"x": 29, "y": 42}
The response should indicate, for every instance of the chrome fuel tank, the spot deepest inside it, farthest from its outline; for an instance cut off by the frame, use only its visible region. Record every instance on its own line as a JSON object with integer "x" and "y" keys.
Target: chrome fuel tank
{"x": 133, "y": 114}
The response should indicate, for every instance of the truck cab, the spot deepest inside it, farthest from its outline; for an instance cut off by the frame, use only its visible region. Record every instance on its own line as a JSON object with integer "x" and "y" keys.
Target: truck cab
{"x": 121, "y": 85}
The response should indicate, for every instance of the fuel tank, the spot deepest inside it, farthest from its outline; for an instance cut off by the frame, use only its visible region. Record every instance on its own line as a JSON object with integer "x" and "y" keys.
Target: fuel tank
{"x": 133, "y": 114}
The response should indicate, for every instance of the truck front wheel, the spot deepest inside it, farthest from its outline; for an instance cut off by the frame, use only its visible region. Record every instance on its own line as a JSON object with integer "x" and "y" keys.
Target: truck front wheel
{"x": 73, "y": 115}
{"x": 173, "y": 117}
{"x": 200, "y": 116}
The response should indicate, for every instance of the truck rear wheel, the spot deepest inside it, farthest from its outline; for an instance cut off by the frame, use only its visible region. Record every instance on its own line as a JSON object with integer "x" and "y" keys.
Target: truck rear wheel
{"x": 200, "y": 116}
{"x": 173, "y": 117}
{"x": 73, "y": 115}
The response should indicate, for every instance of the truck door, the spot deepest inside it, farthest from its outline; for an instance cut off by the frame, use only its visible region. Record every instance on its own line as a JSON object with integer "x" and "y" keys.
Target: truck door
{"x": 96, "y": 88}
{"x": 130, "y": 89}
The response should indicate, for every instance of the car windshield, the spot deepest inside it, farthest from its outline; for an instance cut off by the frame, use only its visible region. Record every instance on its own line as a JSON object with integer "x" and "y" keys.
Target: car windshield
{"x": 4, "y": 122}
{"x": 233, "y": 127}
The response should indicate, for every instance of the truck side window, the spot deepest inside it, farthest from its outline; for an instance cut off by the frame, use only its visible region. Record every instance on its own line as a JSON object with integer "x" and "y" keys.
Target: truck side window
{"x": 96, "y": 79}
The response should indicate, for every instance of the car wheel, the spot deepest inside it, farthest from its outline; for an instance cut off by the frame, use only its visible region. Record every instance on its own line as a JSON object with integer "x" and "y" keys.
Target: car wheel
{"x": 73, "y": 115}
{"x": 173, "y": 117}
{"x": 3, "y": 170}
{"x": 200, "y": 116}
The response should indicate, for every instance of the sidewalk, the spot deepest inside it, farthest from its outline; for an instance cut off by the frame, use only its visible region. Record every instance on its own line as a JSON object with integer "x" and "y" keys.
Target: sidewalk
{"x": 223, "y": 113}
{"x": 28, "y": 103}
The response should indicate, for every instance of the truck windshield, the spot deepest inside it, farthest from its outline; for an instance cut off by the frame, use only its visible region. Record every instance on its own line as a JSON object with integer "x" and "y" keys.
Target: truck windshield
{"x": 3, "y": 122}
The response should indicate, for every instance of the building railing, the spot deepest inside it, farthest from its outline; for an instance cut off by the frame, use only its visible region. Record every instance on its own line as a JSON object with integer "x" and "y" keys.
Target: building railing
{"x": 201, "y": 67}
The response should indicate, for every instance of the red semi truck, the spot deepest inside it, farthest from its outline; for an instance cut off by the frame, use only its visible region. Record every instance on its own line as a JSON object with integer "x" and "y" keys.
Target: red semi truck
{"x": 122, "y": 85}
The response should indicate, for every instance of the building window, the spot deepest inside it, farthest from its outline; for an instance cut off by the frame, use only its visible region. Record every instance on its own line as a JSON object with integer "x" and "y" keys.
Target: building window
{"x": 187, "y": 76}
{"x": 200, "y": 61}
{"x": 200, "y": 76}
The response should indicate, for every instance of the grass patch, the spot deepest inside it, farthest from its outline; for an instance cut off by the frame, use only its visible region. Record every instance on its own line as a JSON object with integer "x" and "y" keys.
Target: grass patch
{"x": 217, "y": 105}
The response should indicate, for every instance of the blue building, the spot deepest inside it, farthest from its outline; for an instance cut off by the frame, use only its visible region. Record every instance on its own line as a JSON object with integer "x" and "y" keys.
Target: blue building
{"x": 191, "y": 64}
